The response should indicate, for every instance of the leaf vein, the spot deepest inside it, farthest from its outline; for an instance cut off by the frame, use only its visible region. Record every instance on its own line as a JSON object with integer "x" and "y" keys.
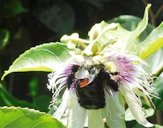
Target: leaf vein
{"x": 11, "y": 121}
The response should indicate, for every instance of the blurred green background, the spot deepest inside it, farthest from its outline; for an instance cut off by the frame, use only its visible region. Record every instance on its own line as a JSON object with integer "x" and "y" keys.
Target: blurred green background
{"x": 27, "y": 23}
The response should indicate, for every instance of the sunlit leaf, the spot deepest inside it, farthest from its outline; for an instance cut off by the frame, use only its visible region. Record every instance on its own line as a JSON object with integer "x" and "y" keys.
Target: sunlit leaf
{"x": 46, "y": 57}
{"x": 152, "y": 43}
{"x": 26, "y": 118}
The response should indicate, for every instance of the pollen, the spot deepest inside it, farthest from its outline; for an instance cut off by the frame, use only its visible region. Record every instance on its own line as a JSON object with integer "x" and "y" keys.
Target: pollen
{"x": 110, "y": 66}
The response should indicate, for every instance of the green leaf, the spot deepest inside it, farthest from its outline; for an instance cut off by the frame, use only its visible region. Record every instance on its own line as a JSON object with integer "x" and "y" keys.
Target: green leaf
{"x": 45, "y": 57}
{"x": 8, "y": 100}
{"x": 152, "y": 43}
{"x": 159, "y": 89}
{"x": 42, "y": 102}
{"x": 59, "y": 18}
{"x": 11, "y": 8}
{"x": 158, "y": 126}
{"x": 4, "y": 38}
{"x": 16, "y": 117}
{"x": 155, "y": 61}
{"x": 140, "y": 126}
{"x": 33, "y": 87}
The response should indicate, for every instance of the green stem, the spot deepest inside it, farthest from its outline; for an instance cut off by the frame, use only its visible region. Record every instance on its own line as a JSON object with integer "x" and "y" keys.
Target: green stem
{"x": 158, "y": 72}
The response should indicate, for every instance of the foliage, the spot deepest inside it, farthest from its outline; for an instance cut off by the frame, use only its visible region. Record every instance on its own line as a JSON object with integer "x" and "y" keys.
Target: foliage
{"x": 4, "y": 38}
{"x": 34, "y": 59}
{"x": 23, "y": 117}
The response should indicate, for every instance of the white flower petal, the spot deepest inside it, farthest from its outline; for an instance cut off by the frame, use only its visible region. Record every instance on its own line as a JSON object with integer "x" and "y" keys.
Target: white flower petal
{"x": 63, "y": 106}
{"x": 134, "y": 104}
{"x": 115, "y": 111}
{"x": 95, "y": 118}
{"x": 77, "y": 114}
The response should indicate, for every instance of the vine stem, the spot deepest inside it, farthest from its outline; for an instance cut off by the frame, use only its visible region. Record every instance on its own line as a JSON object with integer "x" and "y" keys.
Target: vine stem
{"x": 159, "y": 11}
{"x": 158, "y": 72}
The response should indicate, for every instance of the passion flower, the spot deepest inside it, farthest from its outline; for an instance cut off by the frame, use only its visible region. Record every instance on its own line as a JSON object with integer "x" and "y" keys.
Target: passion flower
{"x": 104, "y": 75}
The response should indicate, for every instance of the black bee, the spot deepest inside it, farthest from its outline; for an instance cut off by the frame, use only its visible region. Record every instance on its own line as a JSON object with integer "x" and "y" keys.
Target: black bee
{"x": 91, "y": 94}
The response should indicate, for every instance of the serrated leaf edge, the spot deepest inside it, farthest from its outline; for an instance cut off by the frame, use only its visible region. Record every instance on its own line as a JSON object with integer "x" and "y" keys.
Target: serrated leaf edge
{"x": 26, "y": 52}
